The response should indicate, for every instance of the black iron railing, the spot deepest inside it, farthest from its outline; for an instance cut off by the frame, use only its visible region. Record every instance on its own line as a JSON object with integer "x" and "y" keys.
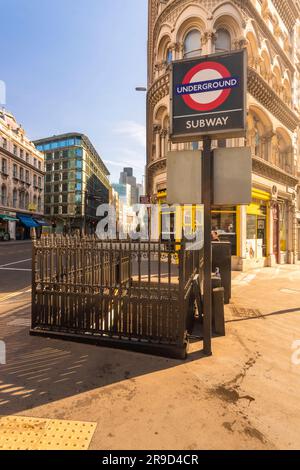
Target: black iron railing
{"x": 118, "y": 292}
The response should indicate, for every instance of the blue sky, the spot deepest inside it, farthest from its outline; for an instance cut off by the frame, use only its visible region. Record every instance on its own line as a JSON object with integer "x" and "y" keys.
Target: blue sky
{"x": 72, "y": 65}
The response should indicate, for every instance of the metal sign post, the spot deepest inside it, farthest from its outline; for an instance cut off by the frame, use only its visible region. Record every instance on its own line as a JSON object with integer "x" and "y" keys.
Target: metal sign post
{"x": 207, "y": 284}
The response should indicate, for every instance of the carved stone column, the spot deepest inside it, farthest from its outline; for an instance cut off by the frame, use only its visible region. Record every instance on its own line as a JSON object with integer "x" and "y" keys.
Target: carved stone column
{"x": 157, "y": 129}
{"x": 268, "y": 145}
{"x": 208, "y": 38}
{"x": 175, "y": 48}
{"x": 239, "y": 43}
{"x": 163, "y": 136}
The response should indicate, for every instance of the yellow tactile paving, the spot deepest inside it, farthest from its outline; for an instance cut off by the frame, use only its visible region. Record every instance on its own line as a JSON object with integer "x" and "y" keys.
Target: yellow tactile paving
{"x": 22, "y": 433}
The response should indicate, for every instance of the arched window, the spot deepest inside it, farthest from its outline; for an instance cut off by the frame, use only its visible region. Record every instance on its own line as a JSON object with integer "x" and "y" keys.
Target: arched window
{"x": 257, "y": 139}
{"x": 4, "y": 195}
{"x": 223, "y": 41}
{"x": 22, "y": 199}
{"x": 169, "y": 55}
{"x": 192, "y": 44}
{"x": 15, "y": 198}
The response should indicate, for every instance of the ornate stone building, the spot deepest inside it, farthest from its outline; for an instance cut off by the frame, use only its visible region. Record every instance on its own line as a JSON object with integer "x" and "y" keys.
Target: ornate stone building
{"x": 21, "y": 181}
{"x": 266, "y": 232}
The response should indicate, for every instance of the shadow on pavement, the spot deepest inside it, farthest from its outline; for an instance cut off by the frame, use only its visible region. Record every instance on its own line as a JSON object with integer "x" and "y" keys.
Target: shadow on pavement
{"x": 260, "y": 316}
{"x": 39, "y": 371}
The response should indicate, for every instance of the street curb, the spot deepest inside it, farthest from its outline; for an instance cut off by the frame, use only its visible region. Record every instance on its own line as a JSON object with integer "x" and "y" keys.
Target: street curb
{"x": 14, "y": 243}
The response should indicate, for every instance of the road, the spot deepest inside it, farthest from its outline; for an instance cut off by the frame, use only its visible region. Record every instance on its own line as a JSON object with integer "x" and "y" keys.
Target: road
{"x": 15, "y": 275}
{"x": 246, "y": 396}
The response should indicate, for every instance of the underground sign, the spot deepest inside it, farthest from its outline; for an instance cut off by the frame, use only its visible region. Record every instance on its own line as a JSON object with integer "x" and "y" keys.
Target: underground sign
{"x": 209, "y": 97}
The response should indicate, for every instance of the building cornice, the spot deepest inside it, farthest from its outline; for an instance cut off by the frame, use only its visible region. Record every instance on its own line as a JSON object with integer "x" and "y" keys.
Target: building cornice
{"x": 159, "y": 89}
{"x": 157, "y": 166}
{"x": 288, "y": 11}
{"x": 268, "y": 170}
{"x": 260, "y": 167}
{"x": 21, "y": 161}
{"x": 268, "y": 34}
{"x": 263, "y": 93}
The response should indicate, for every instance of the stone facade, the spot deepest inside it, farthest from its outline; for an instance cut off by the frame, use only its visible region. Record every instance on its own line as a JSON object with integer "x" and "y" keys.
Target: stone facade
{"x": 21, "y": 176}
{"x": 267, "y": 231}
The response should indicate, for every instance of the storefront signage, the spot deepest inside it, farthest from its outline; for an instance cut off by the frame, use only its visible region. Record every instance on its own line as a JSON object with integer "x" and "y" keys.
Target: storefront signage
{"x": 208, "y": 97}
{"x": 32, "y": 207}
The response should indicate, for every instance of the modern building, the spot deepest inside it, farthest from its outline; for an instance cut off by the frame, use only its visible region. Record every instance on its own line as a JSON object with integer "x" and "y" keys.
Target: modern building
{"x": 265, "y": 232}
{"x": 76, "y": 182}
{"x": 126, "y": 177}
{"x": 124, "y": 206}
{"x": 21, "y": 181}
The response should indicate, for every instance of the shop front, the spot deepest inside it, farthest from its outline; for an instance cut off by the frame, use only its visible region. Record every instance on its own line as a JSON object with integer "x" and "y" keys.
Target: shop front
{"x": 254, "y": 232}
{"x": 258, "y": 233}
{"x": 24, "y": 227}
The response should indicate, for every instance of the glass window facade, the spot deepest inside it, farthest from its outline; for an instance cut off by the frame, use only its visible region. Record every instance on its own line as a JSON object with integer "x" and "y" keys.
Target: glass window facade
{"x": 59, "y": 144}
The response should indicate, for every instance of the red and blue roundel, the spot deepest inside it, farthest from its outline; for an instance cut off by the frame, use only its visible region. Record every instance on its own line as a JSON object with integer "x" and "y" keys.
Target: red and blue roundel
{"x": 207, "y": 86}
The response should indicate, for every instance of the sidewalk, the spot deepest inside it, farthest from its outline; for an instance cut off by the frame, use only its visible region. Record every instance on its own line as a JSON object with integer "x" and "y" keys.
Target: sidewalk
{"x": 246, "y": 396}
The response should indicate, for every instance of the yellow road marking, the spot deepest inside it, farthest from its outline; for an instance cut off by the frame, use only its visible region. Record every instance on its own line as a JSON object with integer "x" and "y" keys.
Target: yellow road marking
{"x": 15, "y": 294}
{"x": 23, "y": 433}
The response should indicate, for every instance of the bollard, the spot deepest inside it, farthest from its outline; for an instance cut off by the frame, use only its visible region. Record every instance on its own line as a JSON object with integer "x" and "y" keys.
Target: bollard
{"x": 222, "y": 261}
{"x": 218, "y": 311}
{"x": 216, "y": 282}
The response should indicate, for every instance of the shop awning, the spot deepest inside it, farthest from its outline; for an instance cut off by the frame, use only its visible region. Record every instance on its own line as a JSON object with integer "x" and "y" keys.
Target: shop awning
{"x": 28, "y": 221}
{"x": 42, "y": 222}
{"x": 8, "y": 218}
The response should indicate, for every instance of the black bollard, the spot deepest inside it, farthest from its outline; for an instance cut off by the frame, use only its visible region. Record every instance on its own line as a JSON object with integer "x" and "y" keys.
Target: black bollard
{"x": 218, "y": 311}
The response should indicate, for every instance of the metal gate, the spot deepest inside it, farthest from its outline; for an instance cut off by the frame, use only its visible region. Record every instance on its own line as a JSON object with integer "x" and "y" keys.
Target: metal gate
{"x": 126, "y": 294}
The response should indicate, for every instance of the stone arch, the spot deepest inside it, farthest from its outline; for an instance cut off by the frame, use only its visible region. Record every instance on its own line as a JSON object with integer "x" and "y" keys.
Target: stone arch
{"x": 253, "y": 49}
{"x": 277, "y": 78}
{"x": 15, "y": 198}
{"x": 259, "y": 132}
{"x": 277, "y": 63}
{"x": 287, "y": 90}
{"x": 162, "y": 47}
{"x": 159, "y": 112}
{"x": 284, "y": 150}
{"x": 266, "y": 64}
{"x": 3, "y": 195}
{"x": 189, "y": 20}
{"x": 227, "y": 16}
{"x": 160, "y": 133}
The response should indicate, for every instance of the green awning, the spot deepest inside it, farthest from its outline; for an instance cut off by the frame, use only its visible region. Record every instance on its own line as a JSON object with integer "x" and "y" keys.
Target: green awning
{"x": 8, "y": 218}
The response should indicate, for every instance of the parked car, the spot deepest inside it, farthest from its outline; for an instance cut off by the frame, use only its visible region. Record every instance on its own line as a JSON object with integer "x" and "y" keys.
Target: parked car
{"x": 4, "y": 236}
